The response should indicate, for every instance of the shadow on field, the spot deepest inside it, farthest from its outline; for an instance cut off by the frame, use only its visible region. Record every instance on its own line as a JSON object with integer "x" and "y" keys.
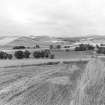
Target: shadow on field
{"x": 81, "y": 84}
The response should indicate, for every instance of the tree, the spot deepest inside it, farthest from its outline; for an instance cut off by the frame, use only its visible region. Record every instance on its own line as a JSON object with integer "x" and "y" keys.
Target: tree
{"x": 19, "y": 54}
{"x": 26, "y": 54}
{"x": 101, "y": 50}
{"x": 9, "y": 56}
{"x": 52, "y": 56}
{"x": 19, "y": 47}
{"x": 42, "y": 54}
{"x": 37, "y": 46}
{"x": 3, "y": 55}
{"x": 84, "y": 47}
{"x": 36, "y": 54}
{"x": 58, "y": 46}
{"x": 47, "y": 53}
{"x": 90, "y": 47}
{"x": 51, "y": 46}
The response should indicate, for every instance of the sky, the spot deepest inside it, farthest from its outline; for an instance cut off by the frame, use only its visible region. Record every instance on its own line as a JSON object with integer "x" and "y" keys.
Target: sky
{"x": 52, "y": 17}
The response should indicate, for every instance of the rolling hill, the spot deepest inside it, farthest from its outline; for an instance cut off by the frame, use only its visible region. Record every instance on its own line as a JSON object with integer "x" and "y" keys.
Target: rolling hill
{"x": 7, "y": 42}
{"x": 29, "y": 41}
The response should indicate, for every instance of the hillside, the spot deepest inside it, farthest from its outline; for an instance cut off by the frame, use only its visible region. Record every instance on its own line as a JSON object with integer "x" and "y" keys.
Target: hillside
{"x": 22, "y": 41}
{"x": 7, "y": 42}
{"x": 29, "y": 41}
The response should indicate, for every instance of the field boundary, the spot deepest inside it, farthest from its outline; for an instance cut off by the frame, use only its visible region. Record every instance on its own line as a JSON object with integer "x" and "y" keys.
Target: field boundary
{"x": 38, "y": 62}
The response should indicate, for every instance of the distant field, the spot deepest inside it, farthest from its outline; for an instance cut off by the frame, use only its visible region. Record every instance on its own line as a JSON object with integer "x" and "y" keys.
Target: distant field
{"x": 72, "y": 54}
{"x": 59, "y": 54}
{"x": 35, "y": 62}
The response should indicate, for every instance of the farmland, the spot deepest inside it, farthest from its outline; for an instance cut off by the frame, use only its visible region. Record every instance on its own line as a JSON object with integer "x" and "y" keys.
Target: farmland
{"x": 59, "y": 54}
{"x": 59, "y": 81}
{"x": 71, "y": 78}
{"x": 38, "y": 85}
{"x": 50, "y": 84}
{"x": 52, "y": 52}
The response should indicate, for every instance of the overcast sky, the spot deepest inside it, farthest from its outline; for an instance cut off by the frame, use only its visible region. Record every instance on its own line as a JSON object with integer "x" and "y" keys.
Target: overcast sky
{"x": 52, "y": 17}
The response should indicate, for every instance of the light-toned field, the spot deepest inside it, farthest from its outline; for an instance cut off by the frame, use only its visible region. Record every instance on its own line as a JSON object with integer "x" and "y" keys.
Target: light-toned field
{"x": 39, "y": 85}
{"x": 59, "y": 54}
{"x": 72, "y": 54}
{"x": 35, "y": 62}
{"x": 70, "y": 83}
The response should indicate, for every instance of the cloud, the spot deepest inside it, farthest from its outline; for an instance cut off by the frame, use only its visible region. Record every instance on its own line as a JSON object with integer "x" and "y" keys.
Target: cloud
{"x": 52, "y": 17}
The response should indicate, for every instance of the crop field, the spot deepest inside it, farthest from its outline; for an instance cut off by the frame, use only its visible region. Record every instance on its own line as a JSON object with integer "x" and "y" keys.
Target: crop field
{"x": 60, "y": 54}
{"x": 72, "y": 54}
{"x": 32, "y": 85}
{"x": 73, "y": 83}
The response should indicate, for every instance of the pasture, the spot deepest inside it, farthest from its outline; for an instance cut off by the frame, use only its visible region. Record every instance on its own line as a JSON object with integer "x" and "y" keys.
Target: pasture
{"x": 73, "y": 81}
{"x": 34, "y": 85}
{"x": 59, "y": 54}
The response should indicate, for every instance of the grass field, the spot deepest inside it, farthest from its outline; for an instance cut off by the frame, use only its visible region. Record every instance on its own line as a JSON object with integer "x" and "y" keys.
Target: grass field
{"x": 38, "y": 85}
{"x": 35, "y": 62}
{"x": 59, "y": 54}
{"x": 72, "y": 54}
{"x": 66, "y": 83}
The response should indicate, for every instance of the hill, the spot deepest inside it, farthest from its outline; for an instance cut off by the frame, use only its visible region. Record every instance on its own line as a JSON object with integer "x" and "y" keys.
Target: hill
{"x": 7, "y": 42}
{"x": 29, "y": 41}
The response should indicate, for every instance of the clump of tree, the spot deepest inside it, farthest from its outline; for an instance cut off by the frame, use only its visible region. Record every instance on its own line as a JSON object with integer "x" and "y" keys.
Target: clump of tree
{"x": 37, "y": 46}
{"x": 43, "y": 54}
{"x": 19, "y": 54}
{"x": 47, "y": 53}
{"x": 4, "y": 55}
{"x": 22, "y": 54}
{"x": 19, "y": 47}
{"x": 58, "y": 46}
{"x": 37, "y": 54}
{"x": 52, "y": 56}
{"x": 84, "y": 47}
{"x": 55, "y": 46}
{"x": 9, "y": 56}
{"x": 26, "y": 54}
{"x": 51, "y": 47}
{"x": 101, "y": 50}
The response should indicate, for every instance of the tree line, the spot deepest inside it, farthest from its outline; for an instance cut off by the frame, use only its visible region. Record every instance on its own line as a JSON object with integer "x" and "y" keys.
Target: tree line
{"x": 23, "y": 47}
{"x": 84, "y": 47}
{"x": 100, "y": 50}
{"x": 26, "y": 54}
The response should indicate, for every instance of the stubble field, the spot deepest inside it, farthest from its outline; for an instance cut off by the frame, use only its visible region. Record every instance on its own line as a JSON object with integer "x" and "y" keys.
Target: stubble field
{"x": 39, "y": 85}
{"x": 64, "y": 83}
